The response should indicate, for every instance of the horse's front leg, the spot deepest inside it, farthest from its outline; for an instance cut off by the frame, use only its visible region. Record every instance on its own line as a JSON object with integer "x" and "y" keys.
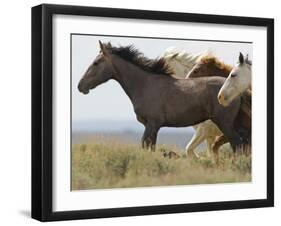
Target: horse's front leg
{"x": 229, "y": 132}
{"x": 210, "y": 142}
{"x": 193, "y": 143}
{"x": 149, "y": 137}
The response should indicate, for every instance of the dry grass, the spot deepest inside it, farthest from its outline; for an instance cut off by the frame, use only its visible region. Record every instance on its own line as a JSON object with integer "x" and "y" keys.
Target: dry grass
{"x": 114, "y": 165}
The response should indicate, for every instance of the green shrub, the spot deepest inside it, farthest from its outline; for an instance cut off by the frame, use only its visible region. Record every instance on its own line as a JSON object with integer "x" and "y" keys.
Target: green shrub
{"x": 112, "y": 165}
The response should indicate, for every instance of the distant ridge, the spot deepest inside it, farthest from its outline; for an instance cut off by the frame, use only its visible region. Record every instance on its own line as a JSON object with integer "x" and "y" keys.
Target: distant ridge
{"x": 118, "y": 126}
{"x": 179, "y": 139}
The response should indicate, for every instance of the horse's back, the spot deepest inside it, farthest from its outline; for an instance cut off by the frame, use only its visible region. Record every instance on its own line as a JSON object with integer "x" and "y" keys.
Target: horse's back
{"x": 191, "y": 100}
{"x": 203, "y": 86}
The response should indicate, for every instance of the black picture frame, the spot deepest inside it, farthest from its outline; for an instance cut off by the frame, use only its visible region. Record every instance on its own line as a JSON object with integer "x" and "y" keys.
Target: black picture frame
{"x": 42, "y": 111}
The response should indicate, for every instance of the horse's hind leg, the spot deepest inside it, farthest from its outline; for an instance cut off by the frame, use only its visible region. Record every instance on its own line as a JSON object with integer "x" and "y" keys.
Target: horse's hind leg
{"x": 219, "y": 141}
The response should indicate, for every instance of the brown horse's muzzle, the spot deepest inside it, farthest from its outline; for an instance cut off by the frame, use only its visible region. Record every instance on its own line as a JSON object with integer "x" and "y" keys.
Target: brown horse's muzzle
{"x": 82, "y": 88}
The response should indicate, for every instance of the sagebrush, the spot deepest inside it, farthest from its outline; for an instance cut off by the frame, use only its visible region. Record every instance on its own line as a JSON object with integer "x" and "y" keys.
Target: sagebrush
{"x": 111, "y": 164}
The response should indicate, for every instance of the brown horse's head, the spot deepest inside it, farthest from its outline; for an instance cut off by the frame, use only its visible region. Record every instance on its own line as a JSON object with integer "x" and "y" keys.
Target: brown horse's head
{"x": 98, "y": 72}
{"x": 209, "y": 65}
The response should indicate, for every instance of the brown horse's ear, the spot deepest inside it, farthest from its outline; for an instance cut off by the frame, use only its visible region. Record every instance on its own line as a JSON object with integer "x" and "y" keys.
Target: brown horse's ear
{"x": 104, "y": 50}
{"x": 241, "y": 58}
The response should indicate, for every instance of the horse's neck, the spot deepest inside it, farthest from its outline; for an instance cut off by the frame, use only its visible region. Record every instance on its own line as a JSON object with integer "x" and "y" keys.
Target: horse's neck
{"x": 219, "y": 72}
{"x": 223, "y": 73}
{"x": 129, "y": 76}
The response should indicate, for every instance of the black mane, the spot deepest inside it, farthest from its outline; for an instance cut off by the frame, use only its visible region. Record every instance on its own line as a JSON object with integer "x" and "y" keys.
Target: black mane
{"x": 130, "y": 53}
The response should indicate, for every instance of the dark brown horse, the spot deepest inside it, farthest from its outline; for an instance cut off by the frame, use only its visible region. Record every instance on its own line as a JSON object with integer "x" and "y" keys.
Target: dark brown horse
{"x": 160, "y": 100}
{"x": 209, "y": 66}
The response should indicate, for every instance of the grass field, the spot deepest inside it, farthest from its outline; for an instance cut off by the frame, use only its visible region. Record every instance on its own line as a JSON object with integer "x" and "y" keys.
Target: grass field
{"x": 110, "y": 164}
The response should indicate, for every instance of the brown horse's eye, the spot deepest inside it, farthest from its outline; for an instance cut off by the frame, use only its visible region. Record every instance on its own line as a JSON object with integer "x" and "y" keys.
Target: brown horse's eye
{"x": 95, "y": 63}
{"x": 233, "y": 75}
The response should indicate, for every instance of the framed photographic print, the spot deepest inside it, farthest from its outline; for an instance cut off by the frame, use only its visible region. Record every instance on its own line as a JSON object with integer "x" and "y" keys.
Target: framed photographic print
{"x": 146, "y": 112}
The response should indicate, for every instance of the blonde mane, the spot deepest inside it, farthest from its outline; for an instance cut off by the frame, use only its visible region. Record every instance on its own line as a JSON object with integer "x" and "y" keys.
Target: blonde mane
{"x": 183, "y": 57}
{"x": 213, "y": 60}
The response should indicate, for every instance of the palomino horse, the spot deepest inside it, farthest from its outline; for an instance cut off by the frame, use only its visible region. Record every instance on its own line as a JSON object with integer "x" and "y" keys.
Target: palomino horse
{"x": 186, "y": 65}
{"x": 238, "y": 81}
{"x": 160, "y": 100}
{"x": 209, "y": 65}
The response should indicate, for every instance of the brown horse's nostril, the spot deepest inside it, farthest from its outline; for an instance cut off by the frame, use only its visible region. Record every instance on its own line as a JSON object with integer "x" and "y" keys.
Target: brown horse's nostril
{"x": 79, "y": 87}
{"x": 82, "y": 89}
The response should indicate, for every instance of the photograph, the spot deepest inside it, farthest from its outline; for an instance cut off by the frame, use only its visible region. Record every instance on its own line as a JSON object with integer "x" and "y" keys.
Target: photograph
{"x": 140, "y": 112}
{"x": 157, "y": 111}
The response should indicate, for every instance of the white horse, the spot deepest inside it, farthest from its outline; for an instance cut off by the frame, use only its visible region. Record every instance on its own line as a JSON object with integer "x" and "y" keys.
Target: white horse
{"x": 181, "y": 63}
{"x": 238, "y": 81}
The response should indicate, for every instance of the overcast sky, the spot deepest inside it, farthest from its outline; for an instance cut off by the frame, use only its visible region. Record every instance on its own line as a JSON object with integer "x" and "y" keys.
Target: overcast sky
{"x": 108, "y": 101}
